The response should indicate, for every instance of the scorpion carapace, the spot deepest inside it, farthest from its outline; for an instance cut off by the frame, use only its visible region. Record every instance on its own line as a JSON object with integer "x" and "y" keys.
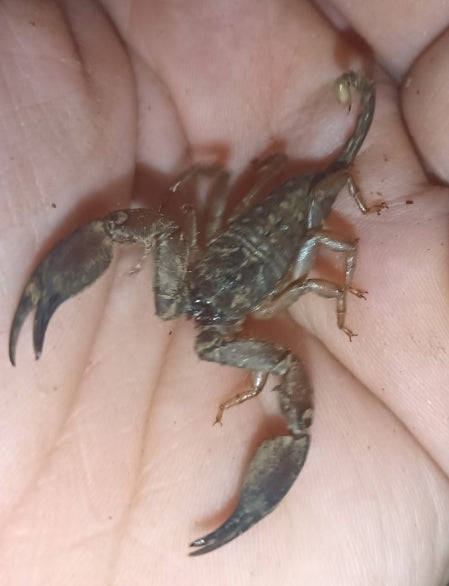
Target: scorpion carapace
{"x": 255, "y": 263}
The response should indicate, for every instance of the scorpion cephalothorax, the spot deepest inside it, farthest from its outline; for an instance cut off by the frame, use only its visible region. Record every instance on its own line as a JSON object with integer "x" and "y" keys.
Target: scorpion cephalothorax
{"x": 255, "y": 263}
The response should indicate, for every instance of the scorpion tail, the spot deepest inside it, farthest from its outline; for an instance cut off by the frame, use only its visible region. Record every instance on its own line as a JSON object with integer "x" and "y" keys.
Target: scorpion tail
{"x": 73, "y": 264}
{"x": 272, "y": 472}
{"x": 351, "y": 80}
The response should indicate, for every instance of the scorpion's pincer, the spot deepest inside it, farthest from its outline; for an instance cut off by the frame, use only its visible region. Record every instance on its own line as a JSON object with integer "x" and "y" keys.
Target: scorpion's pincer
{"x": 78, "y": 261}
{"x": 73, "y": 264}
{"x": 276, "y": 463}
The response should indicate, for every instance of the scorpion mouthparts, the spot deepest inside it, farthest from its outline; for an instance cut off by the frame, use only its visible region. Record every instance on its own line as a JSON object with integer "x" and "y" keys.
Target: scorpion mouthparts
{"x": 271, "y": 474}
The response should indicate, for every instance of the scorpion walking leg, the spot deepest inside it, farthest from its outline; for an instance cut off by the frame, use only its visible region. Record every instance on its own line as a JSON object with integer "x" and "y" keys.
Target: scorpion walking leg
{"x": 277, "y": 461}
{"x": 267, "y": 170}
{"x": 299, "y": 286}
{"x": 217, "y": 201}
{"x": 327, "y": 189}
{"x": 217, "y": 198}
{"x": 191, "y": 173}
{"x": 320, "y": 287}
{"x": 259, "y": 380}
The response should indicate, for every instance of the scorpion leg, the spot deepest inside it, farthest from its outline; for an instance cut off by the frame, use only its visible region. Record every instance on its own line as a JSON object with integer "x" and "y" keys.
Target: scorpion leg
{"x": 217, "y": 201}
{"x": 299, "y": 285}
{"x": 78, "y": 261}
{"x": 218, "y": 196}
{"x": 191, "y": 173}
{"x": 320, "y": 287}
{"x": 267, "y": 170}
{"x": 259, "y": 380}
{"x": 326, "y": 191}
{"x": 278, "y": 461}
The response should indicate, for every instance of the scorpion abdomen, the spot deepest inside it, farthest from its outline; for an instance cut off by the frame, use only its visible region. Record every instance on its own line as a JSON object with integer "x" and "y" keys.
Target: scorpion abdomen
{"x": 263, "y": 244}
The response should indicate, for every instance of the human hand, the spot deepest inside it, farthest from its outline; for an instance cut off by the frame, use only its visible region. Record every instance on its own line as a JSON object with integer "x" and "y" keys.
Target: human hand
{"x": 109, "y": 459}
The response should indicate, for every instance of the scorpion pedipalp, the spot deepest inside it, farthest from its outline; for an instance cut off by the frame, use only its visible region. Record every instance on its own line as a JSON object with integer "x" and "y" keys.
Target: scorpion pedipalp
{"x": 272, "y": 472}
{"x": 73, "y": 264}
{"x": 277, "y": 461}
{"x": 79, "y": 260}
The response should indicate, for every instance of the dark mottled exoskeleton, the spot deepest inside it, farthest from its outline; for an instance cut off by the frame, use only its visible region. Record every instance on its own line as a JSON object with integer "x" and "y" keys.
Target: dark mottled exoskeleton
{"x": 255, "y": 264}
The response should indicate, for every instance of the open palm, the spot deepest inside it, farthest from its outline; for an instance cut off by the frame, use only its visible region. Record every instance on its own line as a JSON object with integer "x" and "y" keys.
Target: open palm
{"x": 108, "y": 459}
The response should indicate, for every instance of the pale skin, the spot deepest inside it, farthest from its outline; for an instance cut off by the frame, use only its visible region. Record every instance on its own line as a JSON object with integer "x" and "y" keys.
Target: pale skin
{"x": 109, "y": 461}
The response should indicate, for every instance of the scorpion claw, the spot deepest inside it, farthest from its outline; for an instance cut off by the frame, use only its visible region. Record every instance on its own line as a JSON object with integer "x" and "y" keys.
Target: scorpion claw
{"x": 272, "y": 472}
{"x": 73, "y": 264}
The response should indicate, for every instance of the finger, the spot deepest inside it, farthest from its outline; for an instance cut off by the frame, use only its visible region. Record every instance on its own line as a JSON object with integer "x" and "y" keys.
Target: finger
{"x": 425, "y": 95}
{"x": 64, "y": 119}
{"x": 396, "y": 31}
{"x": 235, "y": 92}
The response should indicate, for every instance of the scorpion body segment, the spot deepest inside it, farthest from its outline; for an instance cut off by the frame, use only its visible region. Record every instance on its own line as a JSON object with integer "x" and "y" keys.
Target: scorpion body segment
{"x": 254, "y": 265}
{"x": 263, "y": 244}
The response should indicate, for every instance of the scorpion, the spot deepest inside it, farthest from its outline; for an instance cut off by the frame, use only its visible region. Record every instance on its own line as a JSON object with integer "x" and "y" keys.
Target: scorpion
{"x": 254, "y": 263}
